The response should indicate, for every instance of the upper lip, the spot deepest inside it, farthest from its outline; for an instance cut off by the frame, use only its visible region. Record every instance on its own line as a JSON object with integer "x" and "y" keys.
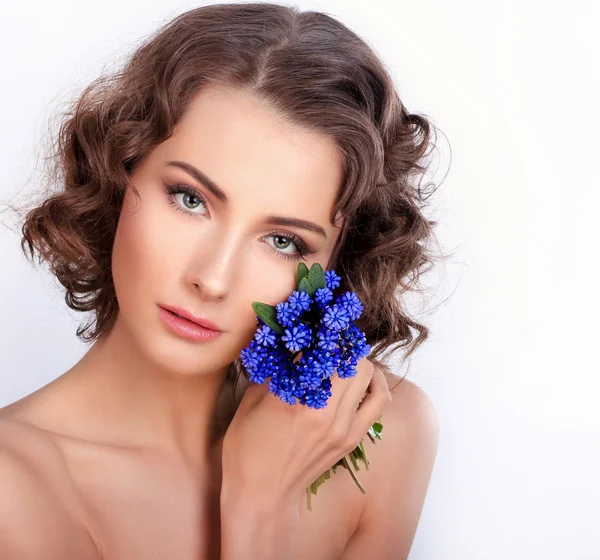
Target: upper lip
{"x": 202, "y": 321}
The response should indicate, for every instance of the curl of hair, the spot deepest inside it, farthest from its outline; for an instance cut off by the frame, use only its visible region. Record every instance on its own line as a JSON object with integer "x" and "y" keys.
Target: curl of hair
{"x": 312, "y": 71}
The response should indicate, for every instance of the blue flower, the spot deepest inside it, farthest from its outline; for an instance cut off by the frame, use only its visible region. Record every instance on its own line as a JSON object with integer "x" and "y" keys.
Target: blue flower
{"x": 346, "y": 370}
{"x": 257, "y": 376}
{"x": 328, "y": 339}
{"x": 283, "y": 386}
{"x": 297, "y": 337}
{"x": 252, "y": 355}
{"x": 323, "y": 296}
{"x": 332, "y": 280}
{"x": 309, "y": 380}
{"x": 316, "y": 399}
{"x": 352, "y": 304}
{"x": 326, "y": 335}
{"x": 266, "y": 336}
{"x": 287, "y": 314}
{"x": 336, "y": 318}
{"x": 325, "y": 363}
{"x": 300, "y": 301}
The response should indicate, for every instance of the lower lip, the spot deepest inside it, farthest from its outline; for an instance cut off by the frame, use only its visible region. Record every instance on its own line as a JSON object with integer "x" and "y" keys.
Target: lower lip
{"x": 185, "y": 328}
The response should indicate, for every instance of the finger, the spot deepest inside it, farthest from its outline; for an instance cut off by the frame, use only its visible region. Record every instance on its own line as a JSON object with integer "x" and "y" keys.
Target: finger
{"x": 378, "y": 398}
{"x": 356, "y": 390}
{"x": 339, "y": 386}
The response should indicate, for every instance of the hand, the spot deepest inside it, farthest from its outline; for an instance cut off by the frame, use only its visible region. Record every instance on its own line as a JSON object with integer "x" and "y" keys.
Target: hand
{"x": 273, "y": 451}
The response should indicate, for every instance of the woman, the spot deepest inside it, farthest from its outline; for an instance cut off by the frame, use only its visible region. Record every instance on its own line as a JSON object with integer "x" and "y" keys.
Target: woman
{"x": 237, "y": 141}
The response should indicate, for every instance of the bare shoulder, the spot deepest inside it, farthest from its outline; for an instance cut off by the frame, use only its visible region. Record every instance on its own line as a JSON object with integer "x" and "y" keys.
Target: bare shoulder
{"x": 400, "y": 469}
{"x": 38, "y": 517}
{"x": 410, "y": 424}
{"x": 410, "y": 403}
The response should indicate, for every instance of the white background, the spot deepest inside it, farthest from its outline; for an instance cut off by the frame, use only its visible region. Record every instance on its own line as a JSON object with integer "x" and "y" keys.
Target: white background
{"x": 511, "y": 364}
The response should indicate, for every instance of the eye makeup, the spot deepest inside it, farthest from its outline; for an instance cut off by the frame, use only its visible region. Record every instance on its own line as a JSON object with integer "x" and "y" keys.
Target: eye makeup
{"x": 190, "y": 192}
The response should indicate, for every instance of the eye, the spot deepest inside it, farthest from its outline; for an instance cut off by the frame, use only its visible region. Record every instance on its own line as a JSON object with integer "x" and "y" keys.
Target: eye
{"x": 301, "y": 246}
{"x": 186, "y": 199}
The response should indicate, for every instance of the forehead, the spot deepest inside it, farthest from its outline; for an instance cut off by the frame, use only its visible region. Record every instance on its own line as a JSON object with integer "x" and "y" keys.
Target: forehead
{"x": 250, "y": 151}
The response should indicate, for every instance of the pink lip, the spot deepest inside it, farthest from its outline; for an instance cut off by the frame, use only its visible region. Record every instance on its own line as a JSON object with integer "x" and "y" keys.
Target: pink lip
{"x": 191, "y": 317}
{"x": 187, "y": 329}
{"x": 188, "y": 324}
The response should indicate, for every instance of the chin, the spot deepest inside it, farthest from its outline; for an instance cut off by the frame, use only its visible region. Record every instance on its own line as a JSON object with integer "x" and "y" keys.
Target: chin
{"x": 185, "y": 357}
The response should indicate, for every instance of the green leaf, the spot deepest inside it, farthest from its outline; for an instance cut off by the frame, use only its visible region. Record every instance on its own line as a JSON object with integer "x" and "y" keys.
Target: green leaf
{"x": 375, "y": 431}
{"x": 316, "y": 276}
{"x": 378, "y": 428}
{"x": 305, "y": 286}
{"x": 302, "y": 272}
{"x": 268, "y": 314}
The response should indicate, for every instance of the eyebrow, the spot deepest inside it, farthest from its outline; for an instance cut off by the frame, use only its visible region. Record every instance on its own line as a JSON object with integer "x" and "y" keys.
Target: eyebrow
{"x": 218, "y": 193}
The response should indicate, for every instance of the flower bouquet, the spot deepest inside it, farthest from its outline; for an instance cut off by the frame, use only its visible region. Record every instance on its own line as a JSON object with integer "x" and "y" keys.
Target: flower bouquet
{"x": 319, "y": 325}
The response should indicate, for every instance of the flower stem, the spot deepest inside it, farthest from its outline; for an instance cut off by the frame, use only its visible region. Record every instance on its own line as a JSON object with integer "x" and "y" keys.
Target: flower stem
{"x": 364, "y": 452}
{"x": 349, "y": 467}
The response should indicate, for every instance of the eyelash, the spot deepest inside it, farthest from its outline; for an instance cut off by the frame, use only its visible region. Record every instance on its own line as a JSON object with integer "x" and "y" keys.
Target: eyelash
{"x": 303, "y": 249}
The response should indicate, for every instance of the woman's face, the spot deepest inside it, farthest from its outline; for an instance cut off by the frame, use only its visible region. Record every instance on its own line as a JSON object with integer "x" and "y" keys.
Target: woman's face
{"x": 214, "y": 253}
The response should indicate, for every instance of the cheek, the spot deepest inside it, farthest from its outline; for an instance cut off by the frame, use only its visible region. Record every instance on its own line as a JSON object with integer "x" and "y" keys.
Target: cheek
{"x": 140, "y": 252}
{"x": 271, "y": 286}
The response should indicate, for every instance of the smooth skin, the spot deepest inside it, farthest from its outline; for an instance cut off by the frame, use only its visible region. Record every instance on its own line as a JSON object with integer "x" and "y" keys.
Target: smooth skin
{"x": 116, "y": 458}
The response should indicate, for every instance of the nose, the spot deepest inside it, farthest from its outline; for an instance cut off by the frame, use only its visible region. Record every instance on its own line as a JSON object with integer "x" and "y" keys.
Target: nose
{"x": 212, "y": 271}
{"x": 209, "y": 292}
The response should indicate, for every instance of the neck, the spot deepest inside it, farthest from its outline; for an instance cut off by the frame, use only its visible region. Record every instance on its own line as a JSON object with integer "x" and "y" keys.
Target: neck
{"x": 131, "y": 400}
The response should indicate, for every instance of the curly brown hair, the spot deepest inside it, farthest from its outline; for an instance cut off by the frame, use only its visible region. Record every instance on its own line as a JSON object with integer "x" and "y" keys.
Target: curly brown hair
{"x": 314, "y": 72}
